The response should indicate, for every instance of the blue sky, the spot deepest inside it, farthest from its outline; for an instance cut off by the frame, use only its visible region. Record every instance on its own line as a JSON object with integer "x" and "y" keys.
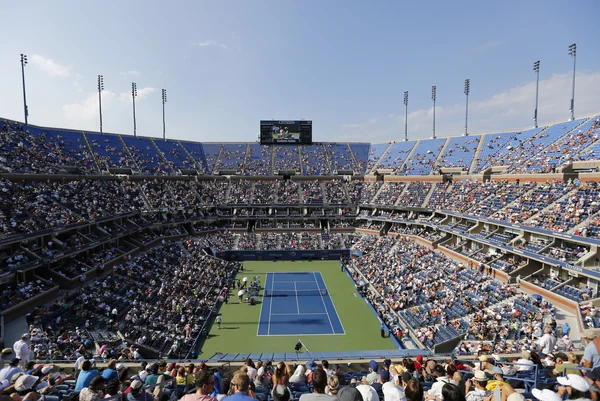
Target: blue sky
{"x": 344, "y": 64}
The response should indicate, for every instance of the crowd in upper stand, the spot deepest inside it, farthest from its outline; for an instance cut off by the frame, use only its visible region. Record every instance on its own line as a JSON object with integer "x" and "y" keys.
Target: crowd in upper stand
{"x": 30, "y": 206}
{"x": 40, "y": 150}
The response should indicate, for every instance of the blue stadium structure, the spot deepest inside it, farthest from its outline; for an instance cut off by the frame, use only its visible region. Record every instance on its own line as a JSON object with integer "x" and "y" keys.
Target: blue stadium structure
{"x": 482, "y": 214}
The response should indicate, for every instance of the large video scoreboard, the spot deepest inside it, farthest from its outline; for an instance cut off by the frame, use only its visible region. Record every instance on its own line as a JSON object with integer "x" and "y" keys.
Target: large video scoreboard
{"x": 273, "y": 132}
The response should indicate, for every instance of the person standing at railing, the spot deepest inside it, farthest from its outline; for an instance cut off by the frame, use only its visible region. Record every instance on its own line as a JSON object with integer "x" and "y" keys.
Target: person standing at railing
{"x": 591, "y": 354}
{"x": 22, "y": 351}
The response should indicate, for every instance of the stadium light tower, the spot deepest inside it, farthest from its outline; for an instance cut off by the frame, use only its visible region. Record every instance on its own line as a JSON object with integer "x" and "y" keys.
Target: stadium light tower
{"x": 433, "y": 97}
{"x": 467, "y": 90}
{"x": 100, "y": 89}
{"x": 23, "y": 64}
{"x": 164, "y": 100}
{"x": 536, "y": 69}
{"x": 133, "y": 96}
{"x": 406, "y": 116}
{"x": 573, "y": 53}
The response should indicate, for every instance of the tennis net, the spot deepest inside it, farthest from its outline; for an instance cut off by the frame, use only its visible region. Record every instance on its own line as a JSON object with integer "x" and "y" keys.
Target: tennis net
{"x": 293, "y": 293}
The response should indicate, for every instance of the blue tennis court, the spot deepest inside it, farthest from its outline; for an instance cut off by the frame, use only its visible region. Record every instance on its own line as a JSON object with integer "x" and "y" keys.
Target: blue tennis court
{"x": 295, "y": 304}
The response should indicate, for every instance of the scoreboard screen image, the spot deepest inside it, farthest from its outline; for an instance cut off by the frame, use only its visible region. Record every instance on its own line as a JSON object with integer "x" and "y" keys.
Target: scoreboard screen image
{"x": 289, "y": 132}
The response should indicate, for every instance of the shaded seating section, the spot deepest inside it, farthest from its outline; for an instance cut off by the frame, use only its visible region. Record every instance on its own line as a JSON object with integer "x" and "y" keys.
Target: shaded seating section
{"x": 572, "y": 293}
{"x": 533, "y": 202}
{"x": 259, "y": 160}
{"x": 109, "y": 152}
{"x": 571, "y": 211}
{"x": 389, "y": 193}
{"x": 65, "y": 148}
{"x": 231, "y": 158}
{"x": 196, "y": 150}
{"x": 360, "y": 151}
{"x": 240, "y": 193}
{"x": 311, "y": 192}
{"x": 286, "y": 158}
{"x": 211, "y": 154}
{"x": 340, "y": 157}
{"x": 376, "y": 150}
{"x": 503, "y": 194}
{"x": 146, "y": 155}
{"x": 288, "y": 192}
{"x": 335, "y": 192}
{"x": 314, "y": 160}
{"x": 415, "y": 194}
{"x": 176, "y": 156}
{"x": 396, "y": 155}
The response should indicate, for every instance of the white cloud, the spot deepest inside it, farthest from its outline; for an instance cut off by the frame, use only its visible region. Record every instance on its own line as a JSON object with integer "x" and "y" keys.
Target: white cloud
{"x": 49, "y": 66}
{"x": 78, "y": 78}
{"x": 87, "y": 109}
{"x": 131, "y": 73}
{"x": 209, "y": 43}
{"x": 506, "y": 111}
{"x": 492, "y": 44}
{"x": 142, "y": 93}
{"x": 370, "y": 121}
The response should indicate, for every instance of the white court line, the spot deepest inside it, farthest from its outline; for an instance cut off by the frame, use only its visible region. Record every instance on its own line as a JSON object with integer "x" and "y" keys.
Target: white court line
{"x": 334, "y": 308}
{"x": 324, "y": 306}
{"x": 296, "y": 314}
{"x": 297, "y": 302}
{"x": 300, "y": 334}
{"x": 271, "y": 305}
{"x": 261, "y": 308}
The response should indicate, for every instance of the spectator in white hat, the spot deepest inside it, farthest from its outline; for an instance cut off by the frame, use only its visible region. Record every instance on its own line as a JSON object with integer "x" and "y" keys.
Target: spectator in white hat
{"x": 477, "y": 384}
{"x": 577, "y": 387}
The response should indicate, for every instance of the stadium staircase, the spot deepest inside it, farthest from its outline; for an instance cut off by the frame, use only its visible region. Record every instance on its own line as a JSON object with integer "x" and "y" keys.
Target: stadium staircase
{"x": 130, "y": 155}
{"x": 372, "y": 200}
{"x": 356, "y": 168}
{"x": 162, "y": 156}
{"x": 91, "y": 152}
{"x": 543, "y": 150}
{"x": 473, "y": 165}
{"x": 272, "y": 161}
{"x": 431, "y": 190}
{"x": 440, "y": 155}
{"x": 409, "y": 156}
{"x": 551, "y": 205}
{"x": 189, "y": 156}
{"x": 376, "y": 163}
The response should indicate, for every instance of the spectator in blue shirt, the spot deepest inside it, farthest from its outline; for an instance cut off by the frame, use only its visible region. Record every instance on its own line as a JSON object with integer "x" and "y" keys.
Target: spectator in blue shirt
{"x": 110, "y": 373}
{"x": 86, "y": 375}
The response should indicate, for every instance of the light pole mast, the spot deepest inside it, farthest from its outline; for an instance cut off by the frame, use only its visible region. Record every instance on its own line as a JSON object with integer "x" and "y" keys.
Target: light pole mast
{"x": 23, "y": 64}
{"x": 536, "y": 69}
{"x": 573, "y": 53}
{"x": 164, "y": 100}
{"x": 133, "y": 96}
{"x": 433, "y": 97}
{"x": 467, "y": 90}
{"x": 100, "y": 89}
{"x": 406, "y": 116}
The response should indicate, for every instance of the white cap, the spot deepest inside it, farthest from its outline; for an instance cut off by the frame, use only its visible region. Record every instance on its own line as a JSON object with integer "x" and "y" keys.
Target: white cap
{"x": 545, "y": 395}
{"x": 575, "y": 381}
